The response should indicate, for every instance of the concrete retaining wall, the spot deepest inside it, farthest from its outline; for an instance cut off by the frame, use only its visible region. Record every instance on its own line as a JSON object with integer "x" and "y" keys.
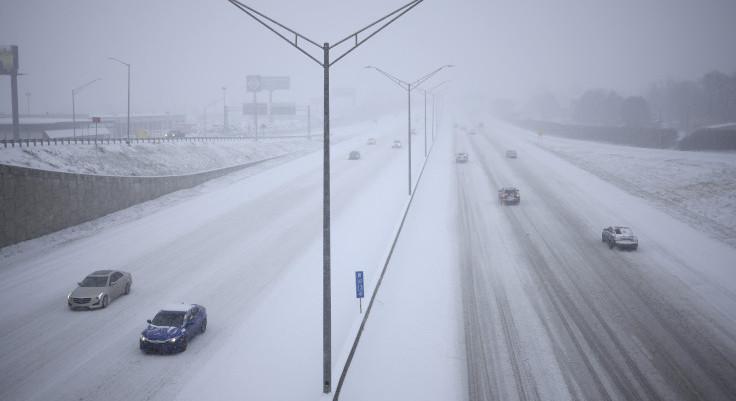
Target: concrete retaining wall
{"x": 37, "y": 202}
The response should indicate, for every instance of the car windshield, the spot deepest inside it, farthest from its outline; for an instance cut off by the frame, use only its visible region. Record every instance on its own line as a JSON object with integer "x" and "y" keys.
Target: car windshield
{"x": 169, "y": 318}
{"x": 624, "y": 231}
{"x": 94, "y": 281}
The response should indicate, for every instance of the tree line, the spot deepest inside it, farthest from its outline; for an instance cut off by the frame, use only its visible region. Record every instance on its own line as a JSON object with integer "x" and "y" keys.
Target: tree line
{"x": 683, "y": 105}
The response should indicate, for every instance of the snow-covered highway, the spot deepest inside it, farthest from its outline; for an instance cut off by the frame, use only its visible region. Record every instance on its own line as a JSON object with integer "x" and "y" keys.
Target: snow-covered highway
{"x": 545, "y": 309}
{"x": 246, "y": 247}
{"x": 553, "y": 314}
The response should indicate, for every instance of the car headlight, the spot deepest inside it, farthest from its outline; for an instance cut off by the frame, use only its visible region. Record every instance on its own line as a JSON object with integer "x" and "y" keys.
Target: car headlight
{"x": 69, "y": 297}
{"x": 143, "y": 338}
{"x": 173, "y": 340}
{"x": 100, "y": 295}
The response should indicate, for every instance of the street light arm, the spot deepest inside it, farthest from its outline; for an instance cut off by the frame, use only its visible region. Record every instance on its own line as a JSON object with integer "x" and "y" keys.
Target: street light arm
{"x": 79, "y": 88}
{"x": 437, "y": 86}
{"x": 428, "y": 76}
{"x": 396, "y": 14}
{"x": 397, "y": 81}
{"x": 264, "y": 20}
{"x": 119, "y": 61}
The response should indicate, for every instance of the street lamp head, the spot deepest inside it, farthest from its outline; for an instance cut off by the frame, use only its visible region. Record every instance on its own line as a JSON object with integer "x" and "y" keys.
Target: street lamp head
{"x": 119, "y": 61}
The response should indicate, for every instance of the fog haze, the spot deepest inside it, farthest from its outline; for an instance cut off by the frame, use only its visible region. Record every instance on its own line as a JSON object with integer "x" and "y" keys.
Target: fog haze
{"x": 183, "y": 52}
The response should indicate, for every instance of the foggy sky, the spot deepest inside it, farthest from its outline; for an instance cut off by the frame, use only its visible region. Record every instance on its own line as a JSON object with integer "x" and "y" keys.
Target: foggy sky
{"x": 182, "y": 52}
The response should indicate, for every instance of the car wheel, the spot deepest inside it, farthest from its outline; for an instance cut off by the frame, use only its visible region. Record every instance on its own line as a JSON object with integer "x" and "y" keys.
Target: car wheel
{"x": 611, "y": 244}
{"x": 127, "y": 289}
{"x": 105, "y": 302}
{"x": 183, "y": 344}
{"x": 204, "y": 326}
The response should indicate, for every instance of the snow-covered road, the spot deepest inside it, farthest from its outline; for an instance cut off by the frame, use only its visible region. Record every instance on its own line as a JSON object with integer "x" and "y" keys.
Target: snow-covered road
{"x": 248, "y": 249}
{"x": 549, "y": 312}
{"x": 554, "y": 314}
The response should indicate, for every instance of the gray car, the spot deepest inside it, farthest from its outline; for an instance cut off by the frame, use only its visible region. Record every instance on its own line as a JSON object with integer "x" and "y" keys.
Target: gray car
{"x": 99, "y": 289}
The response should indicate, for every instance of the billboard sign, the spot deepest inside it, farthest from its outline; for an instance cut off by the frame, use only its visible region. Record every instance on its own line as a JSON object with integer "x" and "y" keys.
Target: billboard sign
{"x": 8, "y": 60}
{"x": 257, "y": 83}
{"x": 275, "y": 83}
{"x": 253, "y": 83}
{"x": 359, "y": 287}
{"x": 283, "y": 109}
{"x": 250, "y": 109}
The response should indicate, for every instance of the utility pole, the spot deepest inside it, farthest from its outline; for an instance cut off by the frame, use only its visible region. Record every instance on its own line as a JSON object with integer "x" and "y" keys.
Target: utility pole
{"x": 326, "y": 62}
{"x": 127, "y": 65}
{"x": 408, "y": 87}
{"x": 431, "y": 93}
{"x": 75, "y": 91}
{"x": 224, "y": 111}
{"x": 425, "y": 124}
{"x": 255, "y": 114}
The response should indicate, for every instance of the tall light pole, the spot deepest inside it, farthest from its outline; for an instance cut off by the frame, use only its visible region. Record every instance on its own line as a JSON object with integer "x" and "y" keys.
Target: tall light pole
{"x": 408, "y": 87}
{"x": 431, "y": 93}
{"x": 204, "y": 122}
{"x": 296, "y": 40}
{"x": 224, "y": 111}
{"x": 74, "y": 107}
{"x": 127, "y": 65}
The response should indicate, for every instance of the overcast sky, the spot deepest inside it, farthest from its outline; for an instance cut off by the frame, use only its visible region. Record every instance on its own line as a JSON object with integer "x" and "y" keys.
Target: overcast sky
{"x": 182, "y": 52}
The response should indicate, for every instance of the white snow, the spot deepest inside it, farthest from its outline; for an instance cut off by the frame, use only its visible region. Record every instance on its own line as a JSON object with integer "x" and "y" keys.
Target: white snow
{"x": 177, "y": 307}
{"x": 248, "y": 247}
{"x": 165, "y": 158}
{"x": 698, "y": 188}
{"x": 413, "y": 346}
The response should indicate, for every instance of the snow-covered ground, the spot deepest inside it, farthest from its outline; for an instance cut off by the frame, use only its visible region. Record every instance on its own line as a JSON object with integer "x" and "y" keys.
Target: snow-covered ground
{"x": 413, "y": 346}
{"x": 248, "y": 247}
{"x": 167, "y": 158}
{"x": 479, "y": 301}
{"x": 696, "y": 187}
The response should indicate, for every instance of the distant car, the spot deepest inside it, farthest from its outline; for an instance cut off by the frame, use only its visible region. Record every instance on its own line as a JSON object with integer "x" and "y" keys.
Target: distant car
{"x": 173, "y": 327}
{"x": 371, "y": 141}
{"x": 511, "y": 154}
{"x": 175, "y": 134}
{"x": 396, "y": 144}
{"x": 461, "y": 157}
{"x": 99, "y": 289}
{"x": 620, "y": 237}
{"x": 509, "y": 196}
{"x": 354, "y": 155}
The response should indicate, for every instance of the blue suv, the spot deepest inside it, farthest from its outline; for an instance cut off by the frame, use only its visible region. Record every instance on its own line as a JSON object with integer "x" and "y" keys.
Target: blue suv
{"x": 173, "y": 327}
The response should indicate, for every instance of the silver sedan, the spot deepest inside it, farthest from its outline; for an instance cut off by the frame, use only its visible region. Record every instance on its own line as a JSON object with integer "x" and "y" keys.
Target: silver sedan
{"x": 99, "y": 289}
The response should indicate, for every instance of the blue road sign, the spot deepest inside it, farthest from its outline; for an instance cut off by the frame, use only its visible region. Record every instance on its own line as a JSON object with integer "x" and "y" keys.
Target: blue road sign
{"x": 359, "y": 284}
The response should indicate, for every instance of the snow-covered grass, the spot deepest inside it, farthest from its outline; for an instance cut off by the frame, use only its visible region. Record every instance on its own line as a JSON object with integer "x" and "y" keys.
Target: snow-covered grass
{"x": 696, "y": 187}
{"x": 167, "y": 158}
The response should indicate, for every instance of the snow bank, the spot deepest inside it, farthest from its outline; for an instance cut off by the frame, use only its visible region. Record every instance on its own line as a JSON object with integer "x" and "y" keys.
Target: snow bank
{"x": 168, "y": 158}
{"x": 698, "y": 188}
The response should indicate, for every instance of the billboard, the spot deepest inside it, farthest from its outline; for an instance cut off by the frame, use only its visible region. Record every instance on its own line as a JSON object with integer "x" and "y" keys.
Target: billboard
{"x": 8, "y": 60}
{"x": 249, "y": 109}
{"x": 253, "y": 83}
{"x": 283, "y": 109}
{"x": 257, "y": 83}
